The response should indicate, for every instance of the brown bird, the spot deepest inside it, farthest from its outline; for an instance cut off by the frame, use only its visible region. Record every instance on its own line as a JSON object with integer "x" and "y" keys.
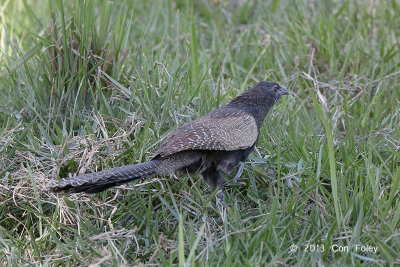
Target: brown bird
{"x": 212, "y": 145}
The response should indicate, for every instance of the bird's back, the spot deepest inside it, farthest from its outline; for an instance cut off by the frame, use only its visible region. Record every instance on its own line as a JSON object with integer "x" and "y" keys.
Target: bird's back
{"x": 225, "y": 129}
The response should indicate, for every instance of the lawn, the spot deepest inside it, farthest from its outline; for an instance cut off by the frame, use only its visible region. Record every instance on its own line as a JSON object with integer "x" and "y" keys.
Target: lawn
{"x": 91, "y": 85}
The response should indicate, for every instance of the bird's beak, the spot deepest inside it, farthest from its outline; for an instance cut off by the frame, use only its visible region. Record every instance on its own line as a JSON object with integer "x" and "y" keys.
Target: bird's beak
{"x": 283, "y": 91}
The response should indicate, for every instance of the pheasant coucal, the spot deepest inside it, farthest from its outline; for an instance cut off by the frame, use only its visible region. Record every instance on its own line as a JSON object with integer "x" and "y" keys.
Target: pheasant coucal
{"x": 212, "y": 145}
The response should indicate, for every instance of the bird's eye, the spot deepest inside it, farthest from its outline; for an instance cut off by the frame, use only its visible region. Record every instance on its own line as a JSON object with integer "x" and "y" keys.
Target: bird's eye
{"x": 276, "y": 89}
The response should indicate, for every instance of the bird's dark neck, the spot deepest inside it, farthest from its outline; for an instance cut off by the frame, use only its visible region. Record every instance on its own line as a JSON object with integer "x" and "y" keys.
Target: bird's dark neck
{"x": 258, "y": 108}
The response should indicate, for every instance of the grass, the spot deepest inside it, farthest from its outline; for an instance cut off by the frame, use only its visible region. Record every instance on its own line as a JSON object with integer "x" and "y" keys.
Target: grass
{"x": 90, "y": 85}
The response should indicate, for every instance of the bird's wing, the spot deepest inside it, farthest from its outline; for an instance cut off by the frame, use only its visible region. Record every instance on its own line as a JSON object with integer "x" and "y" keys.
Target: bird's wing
{"x": 224, "y": 129}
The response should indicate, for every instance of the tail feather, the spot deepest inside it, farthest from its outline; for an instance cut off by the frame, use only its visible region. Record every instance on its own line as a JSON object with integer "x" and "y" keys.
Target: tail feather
{"x": 100, "y": 181}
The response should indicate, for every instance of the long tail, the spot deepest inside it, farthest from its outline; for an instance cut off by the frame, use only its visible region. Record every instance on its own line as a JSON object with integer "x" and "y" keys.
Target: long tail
{"x": 100, "y": 181}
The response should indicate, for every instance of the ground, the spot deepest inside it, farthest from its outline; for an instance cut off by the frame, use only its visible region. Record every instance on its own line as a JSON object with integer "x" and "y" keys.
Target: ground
{"x": 94, "y": 85}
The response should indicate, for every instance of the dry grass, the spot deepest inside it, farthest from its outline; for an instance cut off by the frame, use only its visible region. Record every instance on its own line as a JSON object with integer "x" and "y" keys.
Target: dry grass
{"x": 83, "y": 99}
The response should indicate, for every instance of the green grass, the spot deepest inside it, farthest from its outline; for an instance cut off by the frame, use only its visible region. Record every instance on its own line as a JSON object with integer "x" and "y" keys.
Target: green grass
{"x": 90, "y": 85}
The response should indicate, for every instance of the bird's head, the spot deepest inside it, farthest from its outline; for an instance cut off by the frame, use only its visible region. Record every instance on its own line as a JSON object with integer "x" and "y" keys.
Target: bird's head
{"x": 269, "y": 91}
{"x": 262, "y": 94}
{"x": 259, "y": 99}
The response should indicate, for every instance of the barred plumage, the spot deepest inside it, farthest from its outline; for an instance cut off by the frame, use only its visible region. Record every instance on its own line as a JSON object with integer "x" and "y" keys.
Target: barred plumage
{"x": 224, "y": 129}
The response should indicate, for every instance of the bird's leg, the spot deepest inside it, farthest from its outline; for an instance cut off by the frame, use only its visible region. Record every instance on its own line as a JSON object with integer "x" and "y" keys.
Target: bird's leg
{"x": 239, "y": 172}
{"x": 215, "y": 179}
{"x": 223, "y": 168}
{"x": 221, "y": 197}
{"x": 220, "y": 186}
